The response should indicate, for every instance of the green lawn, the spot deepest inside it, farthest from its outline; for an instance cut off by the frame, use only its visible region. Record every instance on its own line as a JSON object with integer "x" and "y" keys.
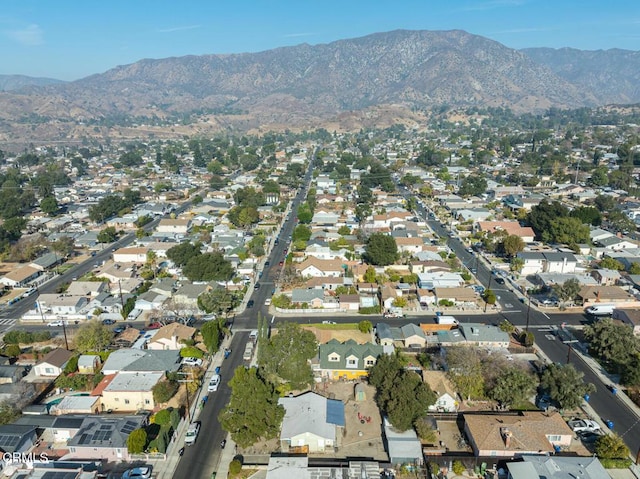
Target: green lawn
{"x": 336, "y": 327}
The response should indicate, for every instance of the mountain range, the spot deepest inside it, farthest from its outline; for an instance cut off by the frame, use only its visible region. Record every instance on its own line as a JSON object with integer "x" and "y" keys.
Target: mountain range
{"x": 309, "y": 85}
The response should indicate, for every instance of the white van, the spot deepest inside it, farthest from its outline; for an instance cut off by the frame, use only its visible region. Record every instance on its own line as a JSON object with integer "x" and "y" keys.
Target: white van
{"x": 601, "y": 309}
{"x": 214, "y": 383}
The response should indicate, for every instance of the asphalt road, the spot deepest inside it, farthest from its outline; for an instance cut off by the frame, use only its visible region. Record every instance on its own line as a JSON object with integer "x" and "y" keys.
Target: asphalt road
{"x": 201, "y": 459}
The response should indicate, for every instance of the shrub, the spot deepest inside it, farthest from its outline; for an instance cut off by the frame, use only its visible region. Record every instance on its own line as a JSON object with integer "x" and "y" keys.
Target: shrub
{"x": 162, "y": 417}
{"x": 365, "y": 326}
{"x": 72, "y": 365}
{"x": 527, "y": 338}
{"x": 191, "y": 352}
{"x": 137, "y": 441}
{"x": 370, "y": 310}
{"x": 235, "y": 467}
{"x": 12, "y": 350}
{"x": 458, "y": 467}
{"x": 26, "y": 337}
{"x": 445, "y": 302}
{"x": 164, "y": 390}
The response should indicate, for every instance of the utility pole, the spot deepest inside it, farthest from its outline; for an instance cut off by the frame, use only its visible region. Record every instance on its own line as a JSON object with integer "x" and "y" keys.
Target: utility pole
{"x": 186, "y": 382}
{"x": 528, "y": 312}
{"x": 64, "y": 331}
{"x": 488, "y": 289}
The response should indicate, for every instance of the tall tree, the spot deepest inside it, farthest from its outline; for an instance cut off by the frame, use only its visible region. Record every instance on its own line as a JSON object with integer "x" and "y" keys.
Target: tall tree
{"x": 288, "y": 354}
{"x": 253, "y": 412}
{"x": 512, "y": 386}
{"x": 381, "y": 250}
{"x": 464, "y": 368}
{"x": 565, "y": 385}
{"x": 512, "y": 245}
{"x": 92, "y": 336}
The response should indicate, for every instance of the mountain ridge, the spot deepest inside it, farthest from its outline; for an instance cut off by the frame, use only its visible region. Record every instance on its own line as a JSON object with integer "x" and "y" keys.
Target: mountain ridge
{"x": 308, "y": 85}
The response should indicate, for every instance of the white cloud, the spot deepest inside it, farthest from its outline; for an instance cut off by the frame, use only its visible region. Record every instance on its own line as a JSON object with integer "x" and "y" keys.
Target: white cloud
{"x": 30, "y": 35}
{"x": 178, "y": 29}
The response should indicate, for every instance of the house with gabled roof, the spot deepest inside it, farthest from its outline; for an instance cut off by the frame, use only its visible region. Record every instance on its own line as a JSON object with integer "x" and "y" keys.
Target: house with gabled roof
{"x": 446, "y": 397}
{"x": 20, "y": 276}
{"x": 320, "y": 268}
{"x": 171, "y": 337}
{"x": 311, "y": 422}
{"x": 53, "y": 363}
{"x": 508, "y": 435}
{"x": 348, "y": 360}
{"x": 557, "y": 467}
{"x": 138, "y": 360}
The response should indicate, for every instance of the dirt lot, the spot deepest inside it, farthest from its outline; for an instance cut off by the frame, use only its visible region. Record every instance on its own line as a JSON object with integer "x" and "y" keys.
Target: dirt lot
{"x": 326, "y": 334}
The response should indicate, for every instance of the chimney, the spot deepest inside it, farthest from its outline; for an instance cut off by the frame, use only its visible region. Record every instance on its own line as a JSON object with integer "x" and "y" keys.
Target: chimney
{"x": 506, "y": 436}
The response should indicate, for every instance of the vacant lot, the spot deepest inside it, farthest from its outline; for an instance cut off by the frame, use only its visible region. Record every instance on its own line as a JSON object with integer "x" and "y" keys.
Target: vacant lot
{"x": 341, "y": 332}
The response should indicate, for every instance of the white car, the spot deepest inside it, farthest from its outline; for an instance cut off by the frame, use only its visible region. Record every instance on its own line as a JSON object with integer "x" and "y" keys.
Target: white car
{"x": 213, "y": 383}
{"x": 143, "y": 472}
{"x": 583, "y": 425}
{"x": 195, "y": 362}
{"x": 328, "y": 322}
{"x": 55, "y": 324}
{"x": 267, "y": 302}
{"x": 192, "y": 433}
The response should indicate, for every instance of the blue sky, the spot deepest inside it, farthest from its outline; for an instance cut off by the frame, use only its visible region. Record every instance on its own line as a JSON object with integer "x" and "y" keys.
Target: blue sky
{"x": 70, "y": 39}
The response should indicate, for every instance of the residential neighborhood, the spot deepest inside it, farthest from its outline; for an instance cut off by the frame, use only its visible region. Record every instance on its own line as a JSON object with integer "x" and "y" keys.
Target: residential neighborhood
{"x": 383, "y": 300}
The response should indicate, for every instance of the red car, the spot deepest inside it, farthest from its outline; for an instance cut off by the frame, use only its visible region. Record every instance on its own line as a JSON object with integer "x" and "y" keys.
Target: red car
{"x": 156, "y": 325}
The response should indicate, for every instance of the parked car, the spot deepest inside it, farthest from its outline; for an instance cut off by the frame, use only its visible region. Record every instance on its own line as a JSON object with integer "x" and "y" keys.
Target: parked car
{"x": 192, "y": 433}
{"x": 155, "y": 325}
{"x": 590, "y": 437}
{"x": 108, "y": 322}
{"x": 250, "y": 303}
{"x": 142, "y": 472}
{"x": 56, "y": 324}
{"x": 328, "y": 322}
{"x": 213, "y": 383}
{"x": 583, "y": 425}
{"x": 267, "y": 302}
{"x": 196, "y": 362}
{"x": 256, "y": 286}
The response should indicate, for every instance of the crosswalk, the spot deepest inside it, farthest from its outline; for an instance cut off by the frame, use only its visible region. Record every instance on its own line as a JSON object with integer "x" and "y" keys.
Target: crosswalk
{"x": 6, "y": 321}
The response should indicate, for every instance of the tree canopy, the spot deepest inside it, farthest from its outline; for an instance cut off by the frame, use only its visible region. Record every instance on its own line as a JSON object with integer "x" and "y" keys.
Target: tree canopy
{"x": 287, "y": 355}
{"x": 183, "y": 252}
{"x": 400, "y": 393}
{"x": 473, "y": 185}
{"x": 253, "y": 412}
{"x": 565, "y": 385}
{"x": 381, "y": 250}
{"x": 208, "y": 267}
{"x": 512, "y": 386}
{"x": 92, "y": 336}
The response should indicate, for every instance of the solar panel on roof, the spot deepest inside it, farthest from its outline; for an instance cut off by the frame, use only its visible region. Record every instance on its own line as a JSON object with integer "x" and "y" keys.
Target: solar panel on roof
{"x": 8, "y": 441}
{"x": 105, "y": 426}
{"x": 128, "y": 427}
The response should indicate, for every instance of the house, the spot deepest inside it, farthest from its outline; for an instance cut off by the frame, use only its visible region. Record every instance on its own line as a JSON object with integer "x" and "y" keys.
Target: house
{"x": 446, "y": 397}
{"x": 89, "y": 363}
{"x": 403, "y": 446}
{"x": 137, "y": 360}
{"x": 133, "y": 254}
{"x": 606, "y": 277}
{"x": 86, "y": 288}
{"x": 441, "y": 279}
{"x": 509, "y": 227}
{"x": 187, "y": 296}
{"x": 589, "y": 295}
{"x": 384, "y": 334}
{"x": 126, "y": 338}
{"x": 413, "y": 336}
{"x": 53, "y": 363}
{"x": 102, "y": 437}
{"x": 458, "y": 296}
{"x": 629, "y": 316}
{"x": 63, "y": 305}
{"x": 411, "y": 245}
{"x": 474, "y": 334}
{"x": 313, "y": 298}
{"x": 171, "y": 337}
{"x": 530, "y": 432}
{"x": 312, "y": 423}
{"x": 130, "y": 391}
{"x": 76, "y": 405}
{"x": 150, "y": 300}
{"x": 348, "y": 360}
{"x": 20, "y": 276}
{"x": 614, "y": 243}
{"x": 557, "y": 467}
{"x": 349, "y": 302}
{"x": 16, "y": 438}
{"x": 286, "y": 467}
{"x": 535, "y": 262}
{"x": 320, "y": 268}
{"x": 175, "y": 226}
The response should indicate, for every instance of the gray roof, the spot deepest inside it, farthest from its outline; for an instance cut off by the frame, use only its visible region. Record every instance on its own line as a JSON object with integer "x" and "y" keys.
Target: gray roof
{"x": 557, "y": 467}
{"x": 41, "y": 421}
{"x": 299, "y": 295}
{"x": 383, "y": 331}
{"x": 411, "y": 329}
{"x": 107, "y": 431}
{"x": 134, "y": 381}
{"x": 46, "y": 260}
{"x": 138, "y": 360}
{"x": 483, "y": 332}
{"x": 13, "y": 436}
{"x": 310, "y": 413}
{"x": 68, "y": 422}
{"x": 404, "y": 446}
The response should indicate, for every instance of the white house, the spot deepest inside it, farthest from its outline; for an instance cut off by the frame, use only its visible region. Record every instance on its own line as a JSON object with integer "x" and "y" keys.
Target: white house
{"x": 135, "y": 254}
{"x": 176, "y": 226}
{"x": 445, "y": 393}
{"x": 320, "y": 268}
{"x": 53, "y": 363}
